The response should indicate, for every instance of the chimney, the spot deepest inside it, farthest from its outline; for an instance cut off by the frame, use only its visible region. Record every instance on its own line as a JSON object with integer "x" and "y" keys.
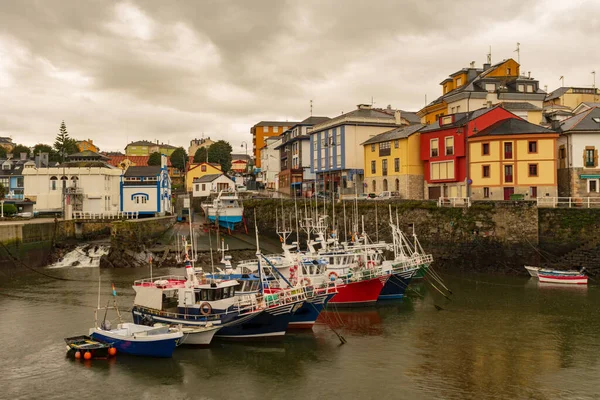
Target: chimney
{"x": 486, "y": 66}
{"x": 555, "y": 125}
{"x": 472, "y": 65}
{"x": 389, "y": 107}
{"x": 529, "y": 74}
{"x": 398, "y": 117}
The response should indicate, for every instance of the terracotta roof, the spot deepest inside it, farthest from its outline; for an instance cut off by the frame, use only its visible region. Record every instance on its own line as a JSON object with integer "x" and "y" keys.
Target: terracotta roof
{"x": 137, "y": 160}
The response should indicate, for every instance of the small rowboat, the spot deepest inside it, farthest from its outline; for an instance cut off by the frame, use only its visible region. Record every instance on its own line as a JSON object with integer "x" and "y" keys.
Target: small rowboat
{"x": 563, "y": 278}
{"x": 87, "y": 348}
{"x": 536, "y": 271}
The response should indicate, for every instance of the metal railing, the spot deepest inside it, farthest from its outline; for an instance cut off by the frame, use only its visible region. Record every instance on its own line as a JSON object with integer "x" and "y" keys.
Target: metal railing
{"x": 454, "y": 202}
{"x": 568, "y": 202}
{"x": 106, "y": 215}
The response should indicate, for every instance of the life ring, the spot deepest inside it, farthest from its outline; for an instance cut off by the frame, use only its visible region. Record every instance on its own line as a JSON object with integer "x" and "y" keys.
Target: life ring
{"x": 332, "y": 276}
{"x": 293, "y": 281}
{"x": 205, "y": 308}
{"x": 305, "y": 281}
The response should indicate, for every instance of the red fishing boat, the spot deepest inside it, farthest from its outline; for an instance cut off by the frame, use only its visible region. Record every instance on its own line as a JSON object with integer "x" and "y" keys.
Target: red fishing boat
{"x": 563, "y": 278}
{"x": 359, "y": 293}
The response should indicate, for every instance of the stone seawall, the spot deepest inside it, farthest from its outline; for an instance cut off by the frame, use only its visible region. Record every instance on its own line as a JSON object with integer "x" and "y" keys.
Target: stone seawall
{"x": 129, "y": 240}
{"x": 489, "y": 236}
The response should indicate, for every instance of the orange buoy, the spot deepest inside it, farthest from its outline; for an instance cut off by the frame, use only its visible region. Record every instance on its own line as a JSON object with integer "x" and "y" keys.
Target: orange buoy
{"x": 87, "y": 355}
{"x": 112, "y": 351}
{"x": 78, "y": 355}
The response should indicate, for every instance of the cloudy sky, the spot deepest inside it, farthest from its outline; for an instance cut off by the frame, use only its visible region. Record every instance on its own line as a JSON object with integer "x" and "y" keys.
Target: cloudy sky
{"x": 172, "y": 70}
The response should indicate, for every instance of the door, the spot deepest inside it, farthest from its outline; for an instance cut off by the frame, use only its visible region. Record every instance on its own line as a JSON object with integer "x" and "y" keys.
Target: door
{"x": 507, "y": 192}
{"x": 435, "y": 193}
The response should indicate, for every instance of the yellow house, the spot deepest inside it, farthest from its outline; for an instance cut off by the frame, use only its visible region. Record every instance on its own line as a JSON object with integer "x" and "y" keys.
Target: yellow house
{"x": 472, "y": 88}
{"x": 510, "y": 157}
{"x": 198, "y": 170}
{"x": 393, "y": 162}
{"x": 84, "y": 145}
{"x": 572, "y": 96}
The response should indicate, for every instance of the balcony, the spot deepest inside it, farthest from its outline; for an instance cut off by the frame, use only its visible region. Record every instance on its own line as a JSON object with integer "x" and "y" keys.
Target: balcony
{"x": 385, "y": 152}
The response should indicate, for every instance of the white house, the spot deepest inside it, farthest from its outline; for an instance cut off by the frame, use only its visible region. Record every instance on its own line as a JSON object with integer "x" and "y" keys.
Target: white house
{"x": 91, "y": 186}
{"x": 147, "y": 190}
{"x": 270, "y": 163}
{"x": 577, "y": 148}
{"x": 213, "y": 183}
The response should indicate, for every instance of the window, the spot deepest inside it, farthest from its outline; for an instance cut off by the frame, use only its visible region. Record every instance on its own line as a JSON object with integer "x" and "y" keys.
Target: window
{"x": 374, "y": 186}
{"x": 384, "y": 169}
{"x": 396, "y": 165}
{"x": 532, "y": 146}
{"x": 53, "y": 181}
{"x": 458, "y": 82}
{"x": 508, "y": 150}
{"x": 449, "y": 141}
{"x": 508, "y": 71}
{"x": 433, "y": 143}
{"x": 204, "y": 187}
{"x": 508, "y": 173}
{"x": 140, "y": 199}
{"x": 485, "y": 171}
{"x": 314, "y": 144}
{"x": 373, "y": 167}
{"x": 521, "y": 88}
{"x": 592, "y": 185}
{"x": 486, "y": 192}
{"x": 485, "y": 149}
{"x": 397, "y": 185}
{"x": 19, "y": 181}
{"x": 396, "y": 144}
{"x": 372, "y": 148}
{"x": 590, "y": 157}
{"x": 529, "y": 88}
{"x": 453, "y": 110}
{"x": 457, "y": 109}
{"x": 442, "y": 170}
{"x": 533, "y": 192}
{"x": 203, "y": 168}
{"x": 197, "y": 187}
{"x": 384, "y": 149}
{"x": 533, "y": 170}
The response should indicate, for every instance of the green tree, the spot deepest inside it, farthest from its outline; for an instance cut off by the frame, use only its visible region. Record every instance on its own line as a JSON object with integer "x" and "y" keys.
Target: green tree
{"x": 200, "y": 155}
{"x": 179, "y": 158}
{"x": 2, "y": 152}
{"x": 53, "y": 155}
{"x": 18, "y": 149}
{"x": 64, "y": 144}
{"x": 220, "y": 152}
{"x": 154, "y": 158}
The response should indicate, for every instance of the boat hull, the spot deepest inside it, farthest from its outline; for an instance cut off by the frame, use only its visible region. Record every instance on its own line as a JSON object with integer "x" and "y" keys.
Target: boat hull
{"x": 270, "y": 324}
{"x": 533, "y": 271}
{"x": 227, "y": 221}
{"x": 148, "y": 348}
{"x": 395, "y": 287}
{"x": 198, "y": 338}
{"x": 421, "y": 272}
{"x": 564, "y": 279}
{"x": 307, "y": 315}
{"x": 359, "y": 294}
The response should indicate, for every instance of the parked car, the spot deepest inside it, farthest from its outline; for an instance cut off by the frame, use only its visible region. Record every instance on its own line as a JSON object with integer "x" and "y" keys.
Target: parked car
{"x": 386, "y": 195}
{"x": 240, "y": 188}
{"x": 25, "y": 214}
{"x": 366, "y": 196}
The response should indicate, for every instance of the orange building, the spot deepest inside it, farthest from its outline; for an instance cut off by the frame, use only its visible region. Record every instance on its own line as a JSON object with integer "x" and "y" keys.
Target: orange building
{"x": 84, "y": 145}
{"x": 263, "y": 130}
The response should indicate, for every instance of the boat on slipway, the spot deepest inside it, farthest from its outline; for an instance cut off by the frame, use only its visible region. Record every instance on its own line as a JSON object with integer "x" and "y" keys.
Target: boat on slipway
{"x": 226, "y": 209}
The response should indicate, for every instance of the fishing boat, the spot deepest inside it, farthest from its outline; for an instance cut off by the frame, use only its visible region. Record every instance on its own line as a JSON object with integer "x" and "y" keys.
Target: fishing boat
{"x": 536, "y": 271}
{"x": 87, "y": 348}
{"x": 226, "y": 209}
{"x": 545, "y": 277}
{"x": 139, "y": 340}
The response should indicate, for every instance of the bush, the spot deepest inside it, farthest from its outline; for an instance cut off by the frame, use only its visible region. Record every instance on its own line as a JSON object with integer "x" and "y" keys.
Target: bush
{"x": 10, "y": 209}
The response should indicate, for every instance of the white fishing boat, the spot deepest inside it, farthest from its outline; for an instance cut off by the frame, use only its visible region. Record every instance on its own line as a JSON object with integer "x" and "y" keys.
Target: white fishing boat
{"x": 226, "y": 209}
{"x": 536, "y": 271}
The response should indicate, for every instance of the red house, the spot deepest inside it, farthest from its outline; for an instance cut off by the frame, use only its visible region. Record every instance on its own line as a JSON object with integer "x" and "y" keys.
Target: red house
{"x": 443, "y": 150}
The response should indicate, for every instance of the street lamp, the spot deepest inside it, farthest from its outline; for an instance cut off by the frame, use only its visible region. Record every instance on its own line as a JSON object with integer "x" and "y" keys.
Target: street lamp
{"x": 244, "y": 144}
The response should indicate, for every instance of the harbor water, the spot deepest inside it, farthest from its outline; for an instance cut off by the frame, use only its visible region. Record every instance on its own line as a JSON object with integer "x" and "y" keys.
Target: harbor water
{"x": 499, "y": 338}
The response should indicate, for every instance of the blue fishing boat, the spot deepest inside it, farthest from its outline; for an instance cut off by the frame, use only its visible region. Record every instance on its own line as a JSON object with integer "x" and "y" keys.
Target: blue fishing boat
{"x": 225, "y": 209}
{"x": 396, "y": 285}
{"x": 139, "y": 340}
